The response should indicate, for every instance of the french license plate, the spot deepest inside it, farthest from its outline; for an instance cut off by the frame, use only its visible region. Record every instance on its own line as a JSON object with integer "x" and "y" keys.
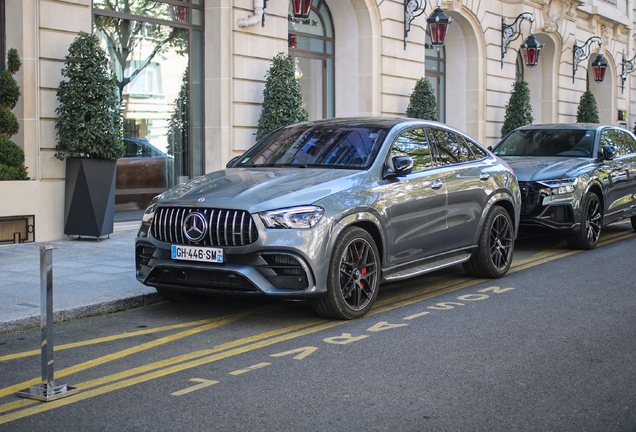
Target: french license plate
{"x": 196, "y": 253}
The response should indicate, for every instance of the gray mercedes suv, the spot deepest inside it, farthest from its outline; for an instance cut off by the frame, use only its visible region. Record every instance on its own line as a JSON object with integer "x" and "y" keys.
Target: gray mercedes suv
{"x": 327, "y": 210}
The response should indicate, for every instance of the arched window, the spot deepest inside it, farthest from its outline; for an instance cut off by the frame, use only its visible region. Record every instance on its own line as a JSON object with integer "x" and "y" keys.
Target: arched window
{"x": 435, "y": 64}
{"x": 311, "y": 44}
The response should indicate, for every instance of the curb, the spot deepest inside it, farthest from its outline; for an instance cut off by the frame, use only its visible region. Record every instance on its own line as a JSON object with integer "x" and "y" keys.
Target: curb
{"x": 83, "y": 311}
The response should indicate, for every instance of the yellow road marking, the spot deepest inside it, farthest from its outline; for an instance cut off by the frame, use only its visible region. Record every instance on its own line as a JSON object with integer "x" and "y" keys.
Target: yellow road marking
{"x": 302, "y": 352}
{"x": 189, "y": 362}
{"x": 105, "y": 339}
{"x": 249, "y": 369}
{"x": 204, "y": 383}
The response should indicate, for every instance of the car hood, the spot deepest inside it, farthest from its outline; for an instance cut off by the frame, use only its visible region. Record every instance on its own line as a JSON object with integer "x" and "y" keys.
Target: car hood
{"x": 537, "y": 168}
{"x": 258, "y": 189}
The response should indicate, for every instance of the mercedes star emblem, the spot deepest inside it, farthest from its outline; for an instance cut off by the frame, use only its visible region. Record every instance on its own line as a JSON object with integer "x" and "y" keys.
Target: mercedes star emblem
{"x": 195, "y": 226}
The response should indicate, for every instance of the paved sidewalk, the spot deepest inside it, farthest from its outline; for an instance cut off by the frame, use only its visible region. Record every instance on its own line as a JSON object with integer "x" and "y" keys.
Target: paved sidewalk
{"x": 89, "y": 277}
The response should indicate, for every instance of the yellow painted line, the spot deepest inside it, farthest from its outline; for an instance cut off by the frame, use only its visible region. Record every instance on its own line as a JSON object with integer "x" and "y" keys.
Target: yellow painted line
{"x": 126, "y": 352}
{"x": 110, "y": 378}
{"x": 156, "y": 365}
{"x": 250, "y": 369}
{"x": 408, "y": 299}
{"x": 106, "y": 339}
{"x": 87, "y": 394}
{"x": 204, "y": 383}
{"x": 301, "y": 352}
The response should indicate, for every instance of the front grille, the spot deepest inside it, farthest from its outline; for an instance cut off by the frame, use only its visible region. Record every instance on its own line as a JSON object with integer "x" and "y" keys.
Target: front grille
{"x": 224, "y": 227}
{"x": 530, "y": 197}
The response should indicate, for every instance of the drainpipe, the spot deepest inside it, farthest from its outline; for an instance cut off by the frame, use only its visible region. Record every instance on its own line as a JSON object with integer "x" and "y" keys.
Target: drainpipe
{"x": 256, "y": 17}
{"x": 630, "y": 32}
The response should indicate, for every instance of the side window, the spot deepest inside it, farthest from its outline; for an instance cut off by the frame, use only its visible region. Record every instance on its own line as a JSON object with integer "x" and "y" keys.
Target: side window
{"x": 477, "y": 151}
{"x": 414, "y": 143}
{"x": 617, "y": 138}
{"x": 451, "y": 148}
{"x": 628, "y": 144}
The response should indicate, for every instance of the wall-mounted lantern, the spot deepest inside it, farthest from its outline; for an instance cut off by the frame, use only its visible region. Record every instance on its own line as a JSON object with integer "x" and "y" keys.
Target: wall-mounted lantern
{"x": 580, "y": 53}
{"x": 627, "y": 67}
{"x": 302, "y": 9}
{"x": 530, "y": 48}
{"x": 437, "y": 23}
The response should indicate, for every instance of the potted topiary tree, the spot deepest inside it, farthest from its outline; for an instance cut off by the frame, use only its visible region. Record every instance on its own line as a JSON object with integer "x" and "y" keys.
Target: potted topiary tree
{"x": 11, "y": 155}
{"x": 518, "y": 108}
{"x": 89, "y": 129}
{"x": 588, "y": 110}
{"x": 282, "y": 98}
{"x": 423, "y": 103}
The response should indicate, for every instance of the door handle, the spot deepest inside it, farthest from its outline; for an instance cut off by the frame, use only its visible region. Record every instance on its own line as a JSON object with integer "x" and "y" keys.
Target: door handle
{"x": 484, "y": 176}
{"x": 437, "y": 184}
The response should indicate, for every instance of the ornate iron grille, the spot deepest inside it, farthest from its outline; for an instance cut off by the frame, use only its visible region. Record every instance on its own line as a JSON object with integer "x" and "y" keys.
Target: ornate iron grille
{"x": 224, "y": 227}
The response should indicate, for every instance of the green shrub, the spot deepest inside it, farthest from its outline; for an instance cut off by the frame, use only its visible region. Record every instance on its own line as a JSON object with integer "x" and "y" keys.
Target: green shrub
{"x": 282, "y": 98}
{"x": 423, "y": 102}
{"x": 89, "y": 122}
{"x": 588, "y": 110}
{"x": 11, "y": 155}
{"x": 518, "y": 108}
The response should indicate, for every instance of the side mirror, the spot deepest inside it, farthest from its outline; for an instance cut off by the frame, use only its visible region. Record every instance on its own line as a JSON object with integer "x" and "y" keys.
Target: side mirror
{"x": 231, "y": 162}
{"x": 402, "y": 165}
{"x": 609, "y": 152}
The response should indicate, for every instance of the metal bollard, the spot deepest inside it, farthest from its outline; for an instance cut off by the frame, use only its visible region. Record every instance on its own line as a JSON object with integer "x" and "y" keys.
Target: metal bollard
{"x": 47, "y": 390}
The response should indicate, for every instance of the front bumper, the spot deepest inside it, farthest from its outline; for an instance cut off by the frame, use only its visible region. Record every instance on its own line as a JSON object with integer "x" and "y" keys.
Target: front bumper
{"x": 260, "y": 273}
{"x": 541, "y": 209}
{"x": 291, "y": 263}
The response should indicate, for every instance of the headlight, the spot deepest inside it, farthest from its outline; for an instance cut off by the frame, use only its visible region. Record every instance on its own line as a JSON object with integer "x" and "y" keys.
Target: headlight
{"x": 150, "y": 210}
{"x": 293, "y": 218}
{"x": 560, "y": 186}
{"x": 146, "y": 219}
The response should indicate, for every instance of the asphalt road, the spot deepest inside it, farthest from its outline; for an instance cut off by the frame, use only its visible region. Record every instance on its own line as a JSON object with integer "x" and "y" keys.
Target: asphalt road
{"x": 551, "y": 346}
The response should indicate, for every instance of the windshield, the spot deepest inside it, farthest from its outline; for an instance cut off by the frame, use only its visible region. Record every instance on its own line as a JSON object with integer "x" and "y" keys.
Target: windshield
{"x": 547, "y": 142}
{"x": 328, "y": 146}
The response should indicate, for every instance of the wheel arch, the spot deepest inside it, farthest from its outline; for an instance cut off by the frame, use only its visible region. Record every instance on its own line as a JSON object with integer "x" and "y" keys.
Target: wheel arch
{"x": 598, "y": 190}
{"x": 500, "y": 200}
{"x": 366, "y": 221}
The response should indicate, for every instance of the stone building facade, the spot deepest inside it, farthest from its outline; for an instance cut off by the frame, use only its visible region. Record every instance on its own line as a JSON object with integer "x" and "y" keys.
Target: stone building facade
{"x": 354, "y": 60}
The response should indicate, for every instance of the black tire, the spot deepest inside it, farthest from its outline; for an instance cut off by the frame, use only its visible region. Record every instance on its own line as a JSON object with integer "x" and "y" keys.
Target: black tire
{"x": 174, "y": 296}
{"x": 354, "y": 276}
{"x": 591, "y": 223}
{"x": 633, "y": 219}
{"x": 493, "y": 257}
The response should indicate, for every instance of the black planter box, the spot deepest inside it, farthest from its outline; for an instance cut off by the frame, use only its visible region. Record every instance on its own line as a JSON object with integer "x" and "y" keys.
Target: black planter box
{"x": 89, "y": 208}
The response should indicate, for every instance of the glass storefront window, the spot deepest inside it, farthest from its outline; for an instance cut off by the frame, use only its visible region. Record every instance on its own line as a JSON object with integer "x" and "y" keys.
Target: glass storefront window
{"x": 146, "y": 8}
{"x": 156, "y": 55}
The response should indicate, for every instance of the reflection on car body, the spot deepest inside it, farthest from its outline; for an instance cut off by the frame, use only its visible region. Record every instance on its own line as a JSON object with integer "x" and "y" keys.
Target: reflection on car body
{"x": 327, "y": 210}
{"x": 574, "y": 178}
